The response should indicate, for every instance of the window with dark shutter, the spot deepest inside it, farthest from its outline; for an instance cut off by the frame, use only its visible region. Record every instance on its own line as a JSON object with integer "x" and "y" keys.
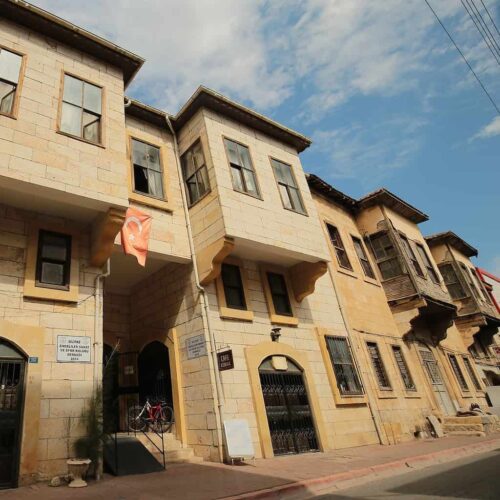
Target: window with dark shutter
{"x": 242, "y": 171}
{"x": 403, "y": 368}
{"x": 411, "y": 255}
{"x": 386, "y": 256}
{"x": 452, "y": 282}
{"x": 468, "y": 277}
{"x": 378, "y": 366}
{"x": 346, "y": 374}
{"x": 427, "y": 263}
{"x": 458, "y": 372}
{"x": 338, "y": 246}
{"x": 233, "y": 286}
{"x": 363, "y": 258}
{"x": 279, "y": 293}
{"x": 53, "y": 260}
{"x": 10, "y": 69}
{"x": 194, "y": 171}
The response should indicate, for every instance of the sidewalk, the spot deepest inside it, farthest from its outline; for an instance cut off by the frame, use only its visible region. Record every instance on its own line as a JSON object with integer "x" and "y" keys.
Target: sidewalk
{"x": 297, "y": 476}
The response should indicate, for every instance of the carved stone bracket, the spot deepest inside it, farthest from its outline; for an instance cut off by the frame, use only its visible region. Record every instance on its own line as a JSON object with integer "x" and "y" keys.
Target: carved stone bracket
{"x": 104, "y": 231}
{"x": 210, "y": 259}
{"x": 303, "y": 277}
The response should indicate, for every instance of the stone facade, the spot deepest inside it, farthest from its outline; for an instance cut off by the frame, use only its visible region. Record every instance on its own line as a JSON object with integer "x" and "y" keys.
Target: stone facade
{"x": 55, "y": 182}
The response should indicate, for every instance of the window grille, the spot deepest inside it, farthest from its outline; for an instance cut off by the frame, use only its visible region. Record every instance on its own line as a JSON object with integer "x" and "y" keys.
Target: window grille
{"x": 386, "y": 256}
{"x": 471, "y": 372}
{"x": 411, "y": 255}
{"x": 378, "y": 366}
{"x": 458, "y": 372}
{"x": 427, "y": 263}
{"x": 346, "y": 374}
{"x": 403, "y": 368}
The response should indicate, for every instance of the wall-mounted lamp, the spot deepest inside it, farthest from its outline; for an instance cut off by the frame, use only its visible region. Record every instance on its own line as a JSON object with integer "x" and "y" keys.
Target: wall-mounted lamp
{"x": 275, "y": 334}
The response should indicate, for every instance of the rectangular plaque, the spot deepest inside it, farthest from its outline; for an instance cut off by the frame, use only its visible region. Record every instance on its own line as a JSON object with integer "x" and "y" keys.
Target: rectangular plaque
{"x": 225, "y": 360}
{"x": 33, "y": 359}
{"x": 72, "y": 349}
{"x": 196, "y": 347}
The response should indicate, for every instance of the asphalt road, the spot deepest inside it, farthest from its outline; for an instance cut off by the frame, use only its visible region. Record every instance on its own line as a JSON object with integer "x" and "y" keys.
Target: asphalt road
{"x": 476, "y": 478}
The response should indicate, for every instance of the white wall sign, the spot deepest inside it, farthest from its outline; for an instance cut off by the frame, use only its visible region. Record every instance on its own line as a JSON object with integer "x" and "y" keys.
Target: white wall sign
{"x": 238, "y": 439}
{"x": 73, "y": 349}
{"x": 196, "y": 347}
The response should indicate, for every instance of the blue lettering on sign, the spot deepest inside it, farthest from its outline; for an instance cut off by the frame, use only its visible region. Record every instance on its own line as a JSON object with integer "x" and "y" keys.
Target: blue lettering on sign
{"x": 33, "y": 359}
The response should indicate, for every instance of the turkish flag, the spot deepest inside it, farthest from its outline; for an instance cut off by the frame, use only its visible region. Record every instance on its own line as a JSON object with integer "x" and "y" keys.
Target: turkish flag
{"x": 135, "y": 234}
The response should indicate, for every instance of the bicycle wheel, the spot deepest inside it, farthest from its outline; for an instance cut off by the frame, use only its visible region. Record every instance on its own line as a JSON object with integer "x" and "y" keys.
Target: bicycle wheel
{"x": 135, "y": 421}
{"x": 165, "y": 419}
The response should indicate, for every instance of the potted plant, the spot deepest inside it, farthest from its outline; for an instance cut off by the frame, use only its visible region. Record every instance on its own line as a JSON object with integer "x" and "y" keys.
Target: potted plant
{"x": 89, "y": 447}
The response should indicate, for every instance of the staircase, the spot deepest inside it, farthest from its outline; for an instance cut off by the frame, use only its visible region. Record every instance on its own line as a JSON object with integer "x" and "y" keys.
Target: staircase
{"x": 175, "y": 452}
{"x": 471, "y": 426}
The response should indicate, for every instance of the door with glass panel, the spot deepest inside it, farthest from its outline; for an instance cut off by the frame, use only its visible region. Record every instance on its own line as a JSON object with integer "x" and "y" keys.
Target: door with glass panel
{"x": 435, "y": 378}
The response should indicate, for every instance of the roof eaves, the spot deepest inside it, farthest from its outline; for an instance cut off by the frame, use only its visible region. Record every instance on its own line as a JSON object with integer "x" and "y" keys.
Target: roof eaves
{"x": 454, "y": 240}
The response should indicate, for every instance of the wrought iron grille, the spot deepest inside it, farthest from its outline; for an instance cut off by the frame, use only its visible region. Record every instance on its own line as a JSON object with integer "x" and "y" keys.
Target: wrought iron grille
{"x": 288, "y": 413}
{"x": 431, "y": 366}
{"x": 458, "y": 372}
{"x": 11, "y": 383}
{"x": 378, "y": 366}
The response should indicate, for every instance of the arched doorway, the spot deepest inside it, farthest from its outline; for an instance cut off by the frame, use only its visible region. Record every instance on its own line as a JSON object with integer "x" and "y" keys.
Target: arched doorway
{"x": 12, "y": 369}
{"x": 435, "y": 377}
{"x": 154, "y": 374}
{"x": 287, "y": 406}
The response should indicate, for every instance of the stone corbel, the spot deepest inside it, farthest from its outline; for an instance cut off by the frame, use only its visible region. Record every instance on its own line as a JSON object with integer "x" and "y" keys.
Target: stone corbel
{"x": 303, "y": 277}
{"x": 210, "y": 259}
{"x": 104, "y": 231}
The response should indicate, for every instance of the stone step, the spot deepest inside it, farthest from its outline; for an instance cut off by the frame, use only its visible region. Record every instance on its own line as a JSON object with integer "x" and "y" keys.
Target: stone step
{"x": 462, "y": 420}
{"x": 466, "y": 433}
{"x": 447, "y": 428}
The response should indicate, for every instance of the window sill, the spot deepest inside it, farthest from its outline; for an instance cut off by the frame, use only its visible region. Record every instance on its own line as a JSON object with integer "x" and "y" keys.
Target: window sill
{"x": 8, "y": 115}
{"x": 149, "y": 201}
{"x": 239, "y": 314}
{"x": 412, "y": 395}
{"x": 371, "y": 281}
{"x": 255, "y": 196}
{"x": 341, "y": 400}
{"x": 305, "y": 214}
{"x": 386, "y": 394}
{"x": 278, "y": 319}
{"x": 347, "y": 272}
{"x": 35, "y": 292}
{"x": 81, "y": 139}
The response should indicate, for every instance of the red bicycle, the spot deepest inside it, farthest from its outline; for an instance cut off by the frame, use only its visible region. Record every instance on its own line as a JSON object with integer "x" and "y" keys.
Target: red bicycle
{"x": 158, "y": 417}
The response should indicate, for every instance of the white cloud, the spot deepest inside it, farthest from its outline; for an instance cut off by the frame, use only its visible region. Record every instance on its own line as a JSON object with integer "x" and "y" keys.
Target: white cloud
{"x": 490, "y": 130}
{"x": 368, "y": 152}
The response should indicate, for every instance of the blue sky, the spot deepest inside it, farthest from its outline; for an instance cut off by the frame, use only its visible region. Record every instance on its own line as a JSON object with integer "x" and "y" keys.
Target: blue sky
{"x": 377, "y": 85}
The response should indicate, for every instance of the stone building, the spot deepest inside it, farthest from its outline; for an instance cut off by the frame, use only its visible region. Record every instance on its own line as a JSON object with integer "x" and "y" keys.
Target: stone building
{"x": 240, "y": 262}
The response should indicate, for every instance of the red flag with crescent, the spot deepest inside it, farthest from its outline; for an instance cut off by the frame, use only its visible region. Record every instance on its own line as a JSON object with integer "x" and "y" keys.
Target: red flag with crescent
{"x": 135, "y": 234}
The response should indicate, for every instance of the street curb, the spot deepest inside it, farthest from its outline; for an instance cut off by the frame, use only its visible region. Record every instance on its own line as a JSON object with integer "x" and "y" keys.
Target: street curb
{"x": 307, "y": 487}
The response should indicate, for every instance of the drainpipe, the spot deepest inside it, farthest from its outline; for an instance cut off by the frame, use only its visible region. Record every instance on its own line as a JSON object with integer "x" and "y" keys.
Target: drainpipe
{"x": 203, "y": 296}
{"x": 98, "y": 339}
{"x": 375, "y": 418}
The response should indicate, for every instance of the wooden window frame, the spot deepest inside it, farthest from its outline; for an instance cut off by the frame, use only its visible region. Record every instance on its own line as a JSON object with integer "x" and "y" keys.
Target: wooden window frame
{"x": 303, "y": 210}
{"x": 15, "y": 105}
{"x": 195, "y": 173}
{"x": 226, "y": 312}
{"x": 383, "y": 388}
{"x": 394, "y": 348}
{"x": 410, "y": 254}
{"x": 458, "y": 373}
{"x": 451, "y": 283}
{"x": 102, "y": 115}
{"x": 429, "y": 266}
{"x": 469, "y": 280}
{"x": 371, "y": 275}
{"x": 30, "y": 288}
{"x": 337, "y": 248}
{"x": 258, "y": 195}
{"x": 396, "y": 257}
{"x": 276, "y": 318}
{"x": 139, "y": 197}
{"x": 66, "y": 263}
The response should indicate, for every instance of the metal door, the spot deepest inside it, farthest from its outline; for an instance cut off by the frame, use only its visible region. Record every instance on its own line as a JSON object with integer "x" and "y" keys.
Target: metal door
{"x": 436, "y": 380}
{"x": 288, "y": 411}
{"x": 11, "y": 404}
